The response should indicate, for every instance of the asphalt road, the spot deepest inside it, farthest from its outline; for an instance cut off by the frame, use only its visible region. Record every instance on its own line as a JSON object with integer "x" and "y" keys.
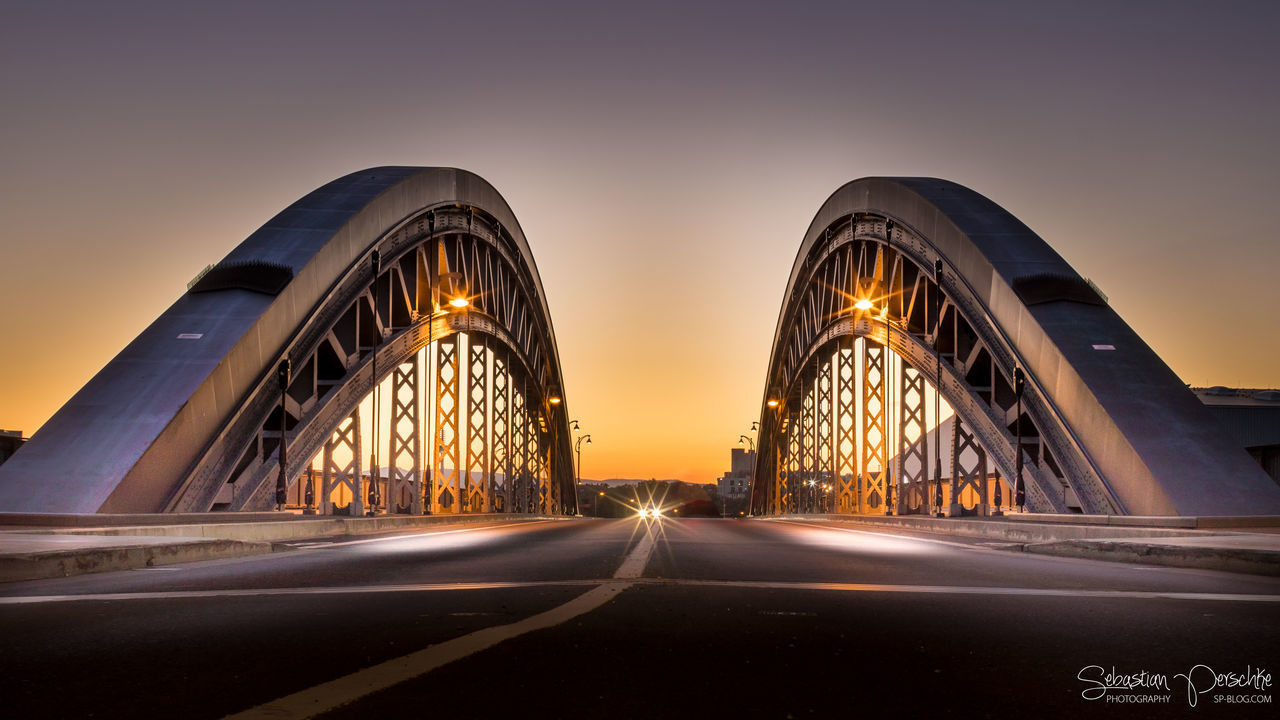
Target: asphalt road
{"x": 632, "y": 619}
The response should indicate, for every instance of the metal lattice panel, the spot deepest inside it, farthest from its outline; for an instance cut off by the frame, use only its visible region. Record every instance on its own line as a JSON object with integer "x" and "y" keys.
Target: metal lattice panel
{"x": 914, "y": 443}
{"x": 520, "y": 453}
{"x": 500, "y": 494}
{"x": 791, "y": 501}
{"x": 847, "y": 496}
{"x": 476, "y": 479}
{"x": 405, "y": 463}
{"x": 446, "y": 495}
{"x": 826, "y": 457}
{"x": 874, "y": 441}
{"x": 968, "y": 472}
{"x": 533, "y": 455}
{"x": 343, "y": 480}
{"x": 808, "y": 445}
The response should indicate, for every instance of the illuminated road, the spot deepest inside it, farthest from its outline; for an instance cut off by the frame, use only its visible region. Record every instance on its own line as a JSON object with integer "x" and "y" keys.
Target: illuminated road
{"x": 621, "y": 619}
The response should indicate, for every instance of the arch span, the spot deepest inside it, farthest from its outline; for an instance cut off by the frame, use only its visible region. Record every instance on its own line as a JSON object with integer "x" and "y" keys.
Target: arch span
{"x": 966, "y": 295}
{"x": 351, "y": 285}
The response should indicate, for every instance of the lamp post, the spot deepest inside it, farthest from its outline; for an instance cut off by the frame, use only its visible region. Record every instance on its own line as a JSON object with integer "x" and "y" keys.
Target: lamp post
{"x": 577, "y": 448}
{"x": 937, "y": 392}
{"x": 373, "y": 369}
{"x": 282, "y": 483}
{"x": 886, "y": 381}
{"x": 1019, "y": 490}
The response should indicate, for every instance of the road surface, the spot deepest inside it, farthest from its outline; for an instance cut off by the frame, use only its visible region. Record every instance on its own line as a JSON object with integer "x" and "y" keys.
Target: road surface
{"x": 641, "y": 619}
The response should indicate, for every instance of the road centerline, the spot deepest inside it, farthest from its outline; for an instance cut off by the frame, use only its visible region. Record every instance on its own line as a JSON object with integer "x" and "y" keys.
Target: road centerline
{"x": 349, "y": 688}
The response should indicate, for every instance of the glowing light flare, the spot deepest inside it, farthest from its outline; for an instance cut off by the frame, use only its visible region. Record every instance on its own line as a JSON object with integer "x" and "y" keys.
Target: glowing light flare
{"x": 460, "y": 302}
{"x": 861, "y": 542}
{"x": 863, "y": 304}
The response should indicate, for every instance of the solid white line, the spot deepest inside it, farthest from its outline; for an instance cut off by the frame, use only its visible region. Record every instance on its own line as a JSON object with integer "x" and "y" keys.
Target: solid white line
{"x": 256, "y": 592}
{"x": 327, "y": 696}
{"x": 971, "y": 590}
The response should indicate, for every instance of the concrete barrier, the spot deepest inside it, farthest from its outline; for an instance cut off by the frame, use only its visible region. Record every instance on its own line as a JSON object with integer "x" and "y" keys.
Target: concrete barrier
{"x": 16, "y": 567}
{"x": 60, "y": 546}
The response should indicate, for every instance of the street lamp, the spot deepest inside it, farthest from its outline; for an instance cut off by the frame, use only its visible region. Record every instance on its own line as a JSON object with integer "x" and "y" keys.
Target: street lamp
{"x": 282, "y": 482}
{"x": 577, "y": 449}
{"x": 1019, "y": 490}
{"x": 373, "y": 370}
{"x": 748, "y": 442}
{"x": 937, "y": 392}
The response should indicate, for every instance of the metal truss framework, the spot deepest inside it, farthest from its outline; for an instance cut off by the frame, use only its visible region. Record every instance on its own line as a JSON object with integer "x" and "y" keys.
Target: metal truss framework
{"x": 926, "y": 322}
{"x": 913, "y": 446}
{"x": 496, "y": 441}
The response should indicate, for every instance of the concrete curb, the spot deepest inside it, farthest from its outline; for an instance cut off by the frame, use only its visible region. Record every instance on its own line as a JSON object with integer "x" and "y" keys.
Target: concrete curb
{"x": 144, "y": 545}
{"x": 79, "y": 561}
{"x": 998, "y": 528}
{"x": 1092, "y": 541}
{"x": 1237, "y": 560}
{"x": 293, "y": 529}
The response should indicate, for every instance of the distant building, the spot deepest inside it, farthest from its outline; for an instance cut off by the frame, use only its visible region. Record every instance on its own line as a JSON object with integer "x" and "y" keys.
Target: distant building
{"x": 10, "y": 441}
{"x": 1252, "y": 417}
{"x": 737, "y": 482}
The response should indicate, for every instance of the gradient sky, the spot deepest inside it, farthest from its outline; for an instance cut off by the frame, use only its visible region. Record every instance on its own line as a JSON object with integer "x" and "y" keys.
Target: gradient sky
{"x": 663, "y": 158}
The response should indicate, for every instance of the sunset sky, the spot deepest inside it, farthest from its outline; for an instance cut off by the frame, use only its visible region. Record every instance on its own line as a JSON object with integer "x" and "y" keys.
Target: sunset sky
{"x": 663, "y": 158}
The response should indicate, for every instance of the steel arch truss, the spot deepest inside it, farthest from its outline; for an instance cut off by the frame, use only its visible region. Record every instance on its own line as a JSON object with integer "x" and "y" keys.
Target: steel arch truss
{"x": 494, "y": 441}
{"x": 930, "y": 325}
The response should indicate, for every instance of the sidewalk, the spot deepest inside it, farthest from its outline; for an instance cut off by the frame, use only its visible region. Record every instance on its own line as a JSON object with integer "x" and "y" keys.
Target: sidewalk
{"x": 34, "y": 547}
{"x": 1248, "y": 545}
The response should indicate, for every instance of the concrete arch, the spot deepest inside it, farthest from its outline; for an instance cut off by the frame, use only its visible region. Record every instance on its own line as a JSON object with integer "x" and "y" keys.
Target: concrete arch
{"x": 1116, "y": 428}
{"x": 161, "y": 427}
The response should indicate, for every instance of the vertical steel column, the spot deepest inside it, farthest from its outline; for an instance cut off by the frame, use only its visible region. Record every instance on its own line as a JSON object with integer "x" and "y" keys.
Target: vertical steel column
{"x": 874, "y": 436}
{"x": 794, "y": 461}
{"x": 403, "y": 492}
{"x": 500, "y": 497}
{"x": 534, "y": 455}
{"x": 913, "y": 442}
{"x": 447, "y": 496}
{"x": 520, "y": 446}
{"x": 478, "y": 462}
{"x": 846, "y": 428}
{"x": 808, "y": 443}
{"x": 826, "y": 456}
{"x": 539, "y": 451}
{"x": 780, "y": 470}
{"x": 334, "y": 476}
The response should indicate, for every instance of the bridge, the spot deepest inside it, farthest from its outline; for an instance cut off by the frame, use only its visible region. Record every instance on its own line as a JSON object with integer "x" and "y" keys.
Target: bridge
{"x": 394, "y": 315}
{"x": 384, "y": 346}
{"x": 932, "y": 357}
{"x": 915, "y": 298}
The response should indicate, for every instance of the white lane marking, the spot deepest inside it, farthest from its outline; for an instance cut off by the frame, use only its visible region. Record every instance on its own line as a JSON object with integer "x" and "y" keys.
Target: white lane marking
{"x": 750, "y": 584}
{"x": 633, "y": 566}
{"x": 320, "y": 545}
{"x": 972, "y": 590}
{"x": 327, "y": 696}
{"x": 256, "y": 592}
